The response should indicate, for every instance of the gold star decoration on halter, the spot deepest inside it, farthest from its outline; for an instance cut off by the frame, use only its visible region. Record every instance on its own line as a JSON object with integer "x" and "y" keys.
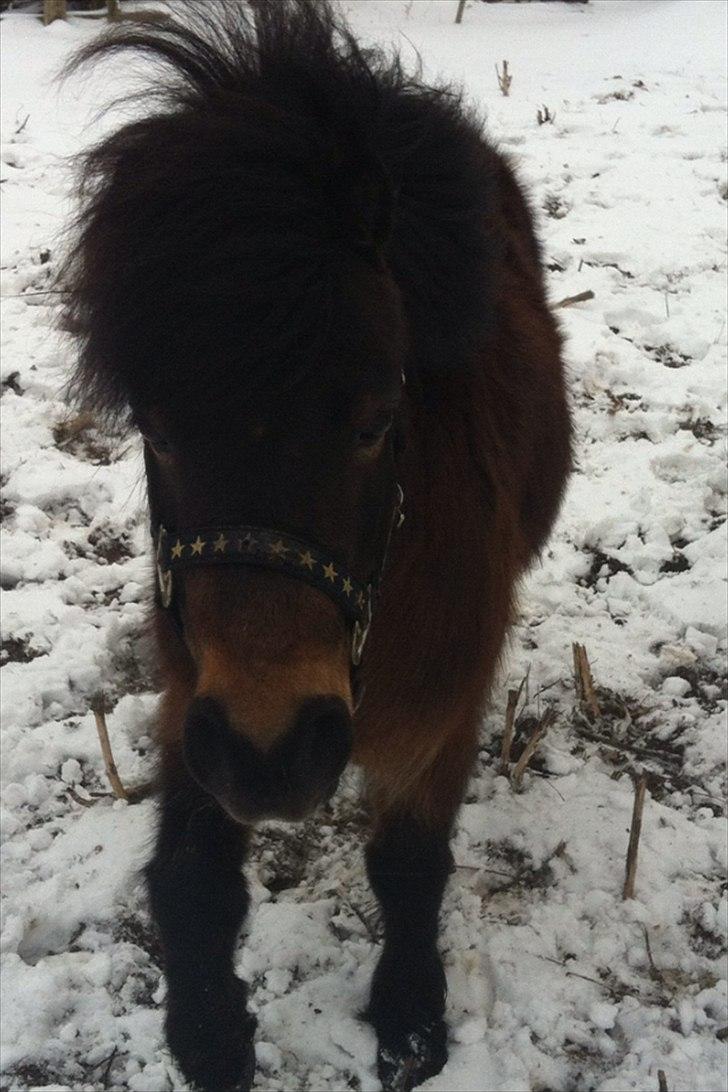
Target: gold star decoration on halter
{"x": 278, "y": 549}
{"x": 197, "y": 546}
{"x": 330, "y": 572}
{"x": 220, "y": 544}
{"x": 306, "y": 560}
{"x": 347, "y": 585}
{"x": 177, "y": 549}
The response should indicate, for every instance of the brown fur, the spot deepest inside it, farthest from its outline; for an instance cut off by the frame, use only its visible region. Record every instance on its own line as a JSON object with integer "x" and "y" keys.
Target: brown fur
{"x": 482, "y": 482}
{"x": 260, "y": 673}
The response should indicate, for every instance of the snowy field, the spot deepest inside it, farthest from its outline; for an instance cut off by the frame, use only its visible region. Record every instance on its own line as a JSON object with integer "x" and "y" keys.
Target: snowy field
{"x": 555, "y": 982}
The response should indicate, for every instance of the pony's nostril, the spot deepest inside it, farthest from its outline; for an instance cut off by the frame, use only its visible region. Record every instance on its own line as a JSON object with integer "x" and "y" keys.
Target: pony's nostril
{"x": 209, "y": 743}
{"x": 301, "y": 769}
{"x": 323, "y": 738}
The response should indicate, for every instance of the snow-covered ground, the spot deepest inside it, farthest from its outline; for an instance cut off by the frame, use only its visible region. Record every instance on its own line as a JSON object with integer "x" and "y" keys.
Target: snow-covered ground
{"x": 555, "y": 982}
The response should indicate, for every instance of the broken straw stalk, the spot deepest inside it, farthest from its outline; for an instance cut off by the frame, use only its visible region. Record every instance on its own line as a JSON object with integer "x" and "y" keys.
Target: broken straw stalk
{"x": 634, "y": 837}
{"x": 533, "y": 741}
{"x": 132, "y": 796}
{"x": 535, "y": 738}
{"x": 585, "y": 690}
{"x": 513, "y": 697}
{"x": 99, "y": 712}
{"x": 584, "y": 681}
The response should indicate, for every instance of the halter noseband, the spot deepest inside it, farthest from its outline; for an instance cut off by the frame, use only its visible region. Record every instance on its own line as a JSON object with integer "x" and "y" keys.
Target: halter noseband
{"x": 261, "y": 547}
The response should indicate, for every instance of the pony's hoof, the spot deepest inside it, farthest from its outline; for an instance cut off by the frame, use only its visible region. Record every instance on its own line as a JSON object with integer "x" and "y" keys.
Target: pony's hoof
{"x": 410, "y": 1059}
{"x": 216, "y": 1065}
{"x": 213, "y": 1045}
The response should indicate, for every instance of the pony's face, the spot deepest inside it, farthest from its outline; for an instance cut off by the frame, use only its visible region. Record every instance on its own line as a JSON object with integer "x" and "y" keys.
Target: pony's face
{"x": 268, "y": 731}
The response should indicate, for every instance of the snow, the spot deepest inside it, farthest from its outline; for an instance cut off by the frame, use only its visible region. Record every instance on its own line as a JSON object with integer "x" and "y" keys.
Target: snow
{"x": 555, "y": 982}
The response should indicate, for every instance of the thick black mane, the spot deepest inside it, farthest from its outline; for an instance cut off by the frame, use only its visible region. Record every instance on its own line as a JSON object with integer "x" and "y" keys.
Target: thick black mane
{"x": 276, "y": 153}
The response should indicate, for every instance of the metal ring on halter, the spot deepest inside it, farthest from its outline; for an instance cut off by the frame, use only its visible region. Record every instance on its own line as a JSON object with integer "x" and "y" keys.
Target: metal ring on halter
{"x": 360, "y": 631}
{"x": 399, "y": 509}
{"x": 164, "y": 576}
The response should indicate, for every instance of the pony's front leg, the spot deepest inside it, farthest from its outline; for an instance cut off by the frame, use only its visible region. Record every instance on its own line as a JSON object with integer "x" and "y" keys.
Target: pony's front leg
{"x": 408, "y": 862}
{"x": 199, "y": 900}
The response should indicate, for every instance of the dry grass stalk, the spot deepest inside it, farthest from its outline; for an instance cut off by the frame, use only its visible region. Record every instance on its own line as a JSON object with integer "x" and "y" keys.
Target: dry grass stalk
{"x": 115, "y": 14}
{"x": 544, "y": 116}
{"x": 70, "y": 428}
{"x": 662, "y": 1080}
{"x": 505, "y": 79}
{"x": 52, "y": 10}
{"x": 628, "y": 749}
{"x": 513, "y": 698}
{"x": 367, "y": 919}
{"x": 584, "y": 681}
{"x": 458, "y": 13}
{"x": 634, "y": 837}
{"x": 575, "y": 974}
{"x": 580, "y": 297}
{"x": 85, "y": 801}
{"x": 655, "y": 972}
{"x": 99, "y": 712}
{"x": 142, "y": 792}
{"x": 508, "y": 732}
{"x": 528, "y": 751}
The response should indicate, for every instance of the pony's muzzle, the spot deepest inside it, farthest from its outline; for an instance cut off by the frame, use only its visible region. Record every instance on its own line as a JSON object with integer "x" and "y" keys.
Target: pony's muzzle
{"x": 300, "y": 771}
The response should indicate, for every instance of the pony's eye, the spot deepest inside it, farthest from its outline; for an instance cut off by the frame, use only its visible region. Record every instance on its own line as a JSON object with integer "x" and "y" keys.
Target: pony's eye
{"x": 371, "y": 435}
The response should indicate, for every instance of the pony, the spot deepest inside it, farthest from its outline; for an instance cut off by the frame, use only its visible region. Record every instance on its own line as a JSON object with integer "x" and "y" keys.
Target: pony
{"x": 313, "y": 286}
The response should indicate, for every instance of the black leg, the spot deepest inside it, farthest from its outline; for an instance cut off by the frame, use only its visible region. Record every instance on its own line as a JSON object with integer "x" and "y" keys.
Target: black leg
{"x": 408, "y": 866}
{"x": 199, "y": 900}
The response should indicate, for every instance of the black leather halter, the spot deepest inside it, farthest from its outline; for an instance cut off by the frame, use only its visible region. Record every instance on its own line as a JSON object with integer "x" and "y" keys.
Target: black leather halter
{"x": 262, "y": 547}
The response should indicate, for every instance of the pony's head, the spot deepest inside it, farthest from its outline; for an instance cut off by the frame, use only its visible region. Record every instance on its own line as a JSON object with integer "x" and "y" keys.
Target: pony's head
{"x": 310, "y": 462}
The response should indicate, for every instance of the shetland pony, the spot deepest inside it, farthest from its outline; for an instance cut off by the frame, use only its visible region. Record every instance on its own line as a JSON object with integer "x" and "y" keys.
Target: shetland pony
{"x": 313, "y": 286}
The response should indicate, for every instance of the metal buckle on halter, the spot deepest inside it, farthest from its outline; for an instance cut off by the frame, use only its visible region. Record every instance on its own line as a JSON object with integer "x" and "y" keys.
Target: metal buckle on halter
{"x": 361, "y": 630}
{"x": 399, "y": 507}
{"x": 164, "y": 576}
